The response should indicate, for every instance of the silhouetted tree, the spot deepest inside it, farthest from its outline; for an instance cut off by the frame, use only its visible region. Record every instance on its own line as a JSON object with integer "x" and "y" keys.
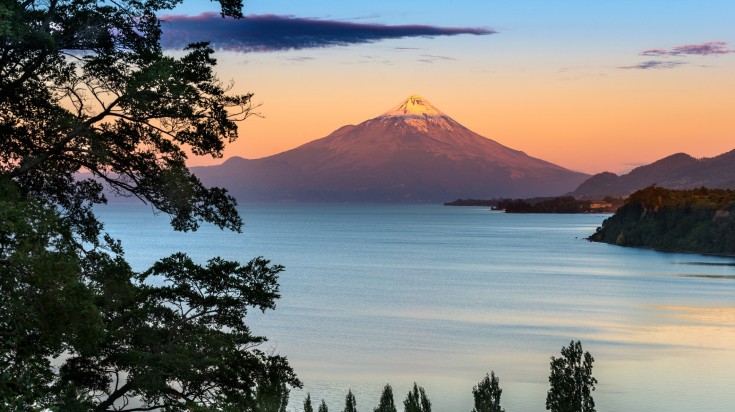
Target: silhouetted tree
{"x": 487, "y": 394}
{"x": 307, "y": 403}
{"x": 386, "y": 403}
{"x": 416, "y": 400}
{"x": 272, "y": 393}
{"x": 571, "y": 381}
{"x": 323, "y": 407}
{"x": 350, "y": 403}
{"x": 86, "y": 87}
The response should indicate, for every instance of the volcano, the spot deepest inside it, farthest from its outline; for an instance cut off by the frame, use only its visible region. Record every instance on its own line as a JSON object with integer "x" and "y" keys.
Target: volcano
{"x": 411, "y": 153}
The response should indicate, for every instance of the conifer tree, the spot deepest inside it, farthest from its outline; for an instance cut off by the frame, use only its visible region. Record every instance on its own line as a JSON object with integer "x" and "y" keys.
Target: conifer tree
{"x": 323, "y": 407}
{"x": 350, "y": 403}
{"x": 307, "y": 403}
{"x": 387, "y": 403}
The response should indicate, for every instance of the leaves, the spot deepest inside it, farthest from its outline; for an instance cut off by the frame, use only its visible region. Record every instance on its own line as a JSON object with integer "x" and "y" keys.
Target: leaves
{"x": 571, "y": 381}
{"x": 84, "y": 86}
{"x": 308, "y": 407}
{"x": 487, "y": 395}
{"x": 88, "y": 102}
{"x": 386, "y": 400}
{"x": 350, "y": 403}
{"x": 697, "y": 220}
{"x": 175, "y": 335}
{"x": 416, "y": 400}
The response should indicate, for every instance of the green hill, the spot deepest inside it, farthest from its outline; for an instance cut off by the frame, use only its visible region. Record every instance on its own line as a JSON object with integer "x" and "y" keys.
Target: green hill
{"x": 696, "y": 220}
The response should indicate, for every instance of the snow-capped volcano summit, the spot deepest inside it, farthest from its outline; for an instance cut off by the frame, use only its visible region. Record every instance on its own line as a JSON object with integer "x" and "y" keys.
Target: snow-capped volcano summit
{"x": 411, "y": 153}
{"x": 418, "y": 113}
{"x": 414, "y": 106}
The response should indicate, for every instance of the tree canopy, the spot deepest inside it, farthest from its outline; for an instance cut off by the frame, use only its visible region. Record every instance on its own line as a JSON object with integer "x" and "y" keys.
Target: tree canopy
{"x": 88, "y": 101}
{"x": 696, "y": 220}
{"x": 386, "y": 403}
{"x": 308, "y": 407}
{"x": 571, "y": 381}
{"x": 350, "y": 402}
{"x": 416, "y": 400}
{"x": 85, "y": 86}
{"x": 487, "y": 394}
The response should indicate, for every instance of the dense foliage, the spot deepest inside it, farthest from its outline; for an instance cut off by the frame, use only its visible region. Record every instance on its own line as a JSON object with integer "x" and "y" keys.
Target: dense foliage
{"x": 697, "y": 220}
{"x": 416, "y": 400}
{"x": 88, "y": 98}
{"x": 387, "y": 403}
{"x": 308, "y": 407}
{"x": 350, "y": 403}
{"x": 487, "y": 395}
{"x": 571, "y": 381}
{"x": 85, "y": 86}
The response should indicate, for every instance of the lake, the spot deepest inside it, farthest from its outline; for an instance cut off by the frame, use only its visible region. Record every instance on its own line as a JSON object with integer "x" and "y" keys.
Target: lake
{"x": 376, "y": 294}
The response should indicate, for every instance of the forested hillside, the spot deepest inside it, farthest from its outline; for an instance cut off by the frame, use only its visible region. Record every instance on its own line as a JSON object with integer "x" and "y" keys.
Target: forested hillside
{"x": 697, "y": 220}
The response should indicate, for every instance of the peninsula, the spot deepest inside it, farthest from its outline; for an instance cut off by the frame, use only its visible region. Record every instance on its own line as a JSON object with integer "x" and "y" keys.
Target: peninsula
{"x": 695, "y": 220}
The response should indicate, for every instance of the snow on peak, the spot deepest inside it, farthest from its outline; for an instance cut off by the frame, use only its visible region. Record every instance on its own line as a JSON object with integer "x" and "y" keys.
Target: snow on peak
{"x": 414, "y": 106}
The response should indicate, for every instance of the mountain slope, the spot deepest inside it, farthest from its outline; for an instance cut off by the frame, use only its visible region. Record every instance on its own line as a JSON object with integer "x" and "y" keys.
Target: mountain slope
{"x": 678, "y": 171}
{"x": 411, "y": 153}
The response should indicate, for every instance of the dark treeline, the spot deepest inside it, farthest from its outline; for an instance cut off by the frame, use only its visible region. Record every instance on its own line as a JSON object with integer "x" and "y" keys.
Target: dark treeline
{"x": 697, "y": 220}
{"x": 474, "y": 202}
{"x": 570, "y": 389}
{"x": 565, "y": 204}
{"x": 561, "y": 204}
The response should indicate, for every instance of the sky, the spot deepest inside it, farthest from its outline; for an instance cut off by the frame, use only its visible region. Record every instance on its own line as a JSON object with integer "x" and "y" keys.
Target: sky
{"x": 589, "y": 85}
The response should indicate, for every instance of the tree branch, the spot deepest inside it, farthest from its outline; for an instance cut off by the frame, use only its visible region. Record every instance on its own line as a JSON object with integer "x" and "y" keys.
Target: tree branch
{"x": 114, "y": 396}
{"x": 60, "y": 145}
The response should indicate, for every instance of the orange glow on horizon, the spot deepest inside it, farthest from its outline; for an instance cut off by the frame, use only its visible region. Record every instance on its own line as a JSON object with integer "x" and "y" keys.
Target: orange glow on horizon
{"x": 611, "y": 121}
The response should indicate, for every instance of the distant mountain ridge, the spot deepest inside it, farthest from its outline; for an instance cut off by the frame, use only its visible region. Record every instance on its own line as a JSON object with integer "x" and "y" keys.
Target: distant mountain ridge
{"x": 411, "y": 153}
{"x": 678, "y": 171}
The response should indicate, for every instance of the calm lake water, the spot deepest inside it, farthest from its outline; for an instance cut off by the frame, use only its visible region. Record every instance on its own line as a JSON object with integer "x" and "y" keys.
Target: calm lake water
{"x": 376, "y": 294}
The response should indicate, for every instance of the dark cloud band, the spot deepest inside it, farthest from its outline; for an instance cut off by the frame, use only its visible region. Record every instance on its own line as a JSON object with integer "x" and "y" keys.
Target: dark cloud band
{"x": 258, "y": 33}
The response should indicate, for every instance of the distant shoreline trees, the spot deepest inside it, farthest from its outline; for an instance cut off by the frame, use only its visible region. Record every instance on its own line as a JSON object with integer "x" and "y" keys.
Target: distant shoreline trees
{"x": 570, "y": 389}
{"x": 557, "y": 205}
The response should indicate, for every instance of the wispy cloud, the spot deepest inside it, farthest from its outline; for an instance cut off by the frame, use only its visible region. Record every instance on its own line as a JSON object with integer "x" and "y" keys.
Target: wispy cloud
{"x": 261, "y": 33}
{"x": 300, "y": 58}
{"x": 712, "y": 48}
{"x": 431, "y": 58}
{"x": 655, "y": 64}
